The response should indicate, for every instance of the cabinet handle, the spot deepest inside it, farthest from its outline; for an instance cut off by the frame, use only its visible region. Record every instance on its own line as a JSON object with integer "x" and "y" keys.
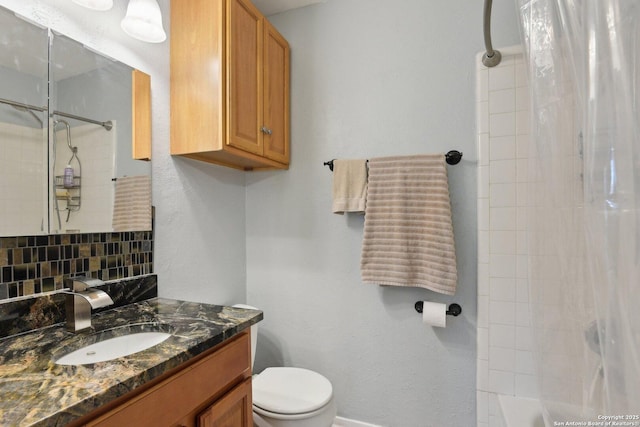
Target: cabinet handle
{"x": 266, "y": 130}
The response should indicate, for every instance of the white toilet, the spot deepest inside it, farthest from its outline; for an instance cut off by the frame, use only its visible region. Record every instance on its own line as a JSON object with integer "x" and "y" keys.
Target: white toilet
{"x": 290, "y": 397}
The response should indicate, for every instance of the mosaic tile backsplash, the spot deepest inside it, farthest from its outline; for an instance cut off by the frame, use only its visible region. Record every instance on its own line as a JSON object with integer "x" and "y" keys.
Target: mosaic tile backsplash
{"x": 31, "y": 265}
{"x": 40, "y": 311}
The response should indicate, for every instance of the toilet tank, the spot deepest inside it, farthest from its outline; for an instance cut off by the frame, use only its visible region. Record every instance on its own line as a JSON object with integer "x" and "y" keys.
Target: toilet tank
{"x": 254, "y": 332}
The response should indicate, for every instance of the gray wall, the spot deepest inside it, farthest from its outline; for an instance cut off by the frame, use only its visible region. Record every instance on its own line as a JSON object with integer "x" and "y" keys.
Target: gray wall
{"x": 24, "y": 88}
{"x": 23, "y": 69}
{"x": 370, "y": 78}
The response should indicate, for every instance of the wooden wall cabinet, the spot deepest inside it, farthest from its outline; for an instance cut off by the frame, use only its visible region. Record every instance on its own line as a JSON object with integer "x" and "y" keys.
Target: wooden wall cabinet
{"x": 229, "y": 85}
{"x": 213, "y": 391}
{"x": 141, "y": 112}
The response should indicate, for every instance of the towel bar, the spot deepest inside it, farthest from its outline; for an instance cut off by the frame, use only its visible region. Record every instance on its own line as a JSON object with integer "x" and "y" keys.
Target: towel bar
{"x": 330, "y": 164}
{"x": 453, "y": 157}
{"x": 454, "y": 309}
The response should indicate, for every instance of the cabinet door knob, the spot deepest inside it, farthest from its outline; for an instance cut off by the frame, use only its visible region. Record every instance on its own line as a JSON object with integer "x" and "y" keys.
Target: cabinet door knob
{"x": 266, "y": 130}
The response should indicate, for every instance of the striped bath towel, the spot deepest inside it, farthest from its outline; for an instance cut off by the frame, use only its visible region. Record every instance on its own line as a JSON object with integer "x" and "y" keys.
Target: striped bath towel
{"x": 132, "y": 204}
{"x": 408, "y": 232}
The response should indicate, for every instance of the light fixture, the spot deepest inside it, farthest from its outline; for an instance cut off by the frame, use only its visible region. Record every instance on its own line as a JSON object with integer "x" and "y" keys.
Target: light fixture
{"x": 95, "y": 4}
{"x": 143, "y": 21}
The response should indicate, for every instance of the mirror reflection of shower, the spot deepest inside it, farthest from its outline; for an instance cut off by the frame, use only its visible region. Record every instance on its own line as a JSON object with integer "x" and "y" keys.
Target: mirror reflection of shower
{"x": 25, "y": 109}
{"x": 23, "y": 162}
{"x": 66, "y": 187}
{"x": 81, "y": 159}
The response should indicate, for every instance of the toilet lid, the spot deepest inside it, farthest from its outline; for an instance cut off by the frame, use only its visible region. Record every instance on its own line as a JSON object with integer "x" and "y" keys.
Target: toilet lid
{"x": 290, "y": 390}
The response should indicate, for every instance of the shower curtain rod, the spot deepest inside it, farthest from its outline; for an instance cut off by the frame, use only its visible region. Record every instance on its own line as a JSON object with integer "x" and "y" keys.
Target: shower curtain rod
{"x": 21, "y": 105}
{"x": 108, "y": 125}
{"x": 492, "y": 57}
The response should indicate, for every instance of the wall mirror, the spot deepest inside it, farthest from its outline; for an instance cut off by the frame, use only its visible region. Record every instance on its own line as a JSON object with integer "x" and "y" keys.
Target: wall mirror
{"x": 23, "y": 126}
{"x": 66, "y": 126}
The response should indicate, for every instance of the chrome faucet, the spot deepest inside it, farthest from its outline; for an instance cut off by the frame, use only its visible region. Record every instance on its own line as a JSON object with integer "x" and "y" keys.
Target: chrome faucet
{"x": 81, "y": 299}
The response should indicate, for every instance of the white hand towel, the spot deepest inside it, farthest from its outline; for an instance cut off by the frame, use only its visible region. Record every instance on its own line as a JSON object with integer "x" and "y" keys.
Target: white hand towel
{"x": 349, "y": 185}
{"x": 408, "y": 232}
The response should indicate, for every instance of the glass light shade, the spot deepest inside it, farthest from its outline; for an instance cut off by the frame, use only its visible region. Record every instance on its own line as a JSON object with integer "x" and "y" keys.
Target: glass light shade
{"x": 95, "y": 4}
{"x": 143, "y": 21}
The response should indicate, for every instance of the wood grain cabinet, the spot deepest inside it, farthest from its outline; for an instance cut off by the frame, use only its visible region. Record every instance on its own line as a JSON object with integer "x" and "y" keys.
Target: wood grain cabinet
{"x": 233, "y": 410}
{"x": 229, "y": 85}
{"x": 213, "y": 391}
{"x": 141, "y": 115}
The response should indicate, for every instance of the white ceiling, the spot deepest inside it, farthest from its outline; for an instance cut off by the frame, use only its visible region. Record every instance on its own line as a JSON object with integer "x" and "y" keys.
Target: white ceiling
{"x": 271, "y": 7}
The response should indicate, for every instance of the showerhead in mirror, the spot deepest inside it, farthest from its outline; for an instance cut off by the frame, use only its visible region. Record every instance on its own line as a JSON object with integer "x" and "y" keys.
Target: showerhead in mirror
{"x": 26, "y": 110}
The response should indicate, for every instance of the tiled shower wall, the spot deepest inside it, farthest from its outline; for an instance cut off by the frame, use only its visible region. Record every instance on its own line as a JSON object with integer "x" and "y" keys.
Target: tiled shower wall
{"x": 96, "y": 151}
{"x": 23, "y": 160}
{"x": 505, "y": 361}
{"x": 31, "y": 265}
{"x": 23, "y": 188}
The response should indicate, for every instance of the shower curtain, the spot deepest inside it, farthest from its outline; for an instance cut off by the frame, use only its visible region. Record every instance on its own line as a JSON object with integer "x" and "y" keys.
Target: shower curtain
{"x": 583, "y": 61}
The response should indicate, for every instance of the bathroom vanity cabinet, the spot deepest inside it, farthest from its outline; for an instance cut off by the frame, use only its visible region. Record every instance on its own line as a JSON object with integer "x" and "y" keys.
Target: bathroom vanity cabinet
{"x": 213, "y": 390}
{"x": 229, "y": 85}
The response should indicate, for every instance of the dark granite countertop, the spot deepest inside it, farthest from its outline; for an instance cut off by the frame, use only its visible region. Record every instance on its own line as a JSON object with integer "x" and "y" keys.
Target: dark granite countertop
{"x": 35, "y": 391}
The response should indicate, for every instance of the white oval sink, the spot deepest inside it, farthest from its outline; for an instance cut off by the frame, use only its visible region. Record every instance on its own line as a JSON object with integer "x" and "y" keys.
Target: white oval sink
{"x": 113, "y": 348}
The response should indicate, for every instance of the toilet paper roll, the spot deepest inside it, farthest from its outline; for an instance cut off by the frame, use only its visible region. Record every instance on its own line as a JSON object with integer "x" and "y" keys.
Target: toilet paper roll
{"x": 434, "y": 314}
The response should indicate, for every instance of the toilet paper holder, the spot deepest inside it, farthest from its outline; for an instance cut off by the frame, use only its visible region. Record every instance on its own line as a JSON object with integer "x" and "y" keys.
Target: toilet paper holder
{"x": 453, "y": 310}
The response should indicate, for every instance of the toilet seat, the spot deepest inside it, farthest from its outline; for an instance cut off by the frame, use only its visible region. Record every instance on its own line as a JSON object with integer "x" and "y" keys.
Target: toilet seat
{"x": 293, "y": 417}
{"x": 288, "y": 391}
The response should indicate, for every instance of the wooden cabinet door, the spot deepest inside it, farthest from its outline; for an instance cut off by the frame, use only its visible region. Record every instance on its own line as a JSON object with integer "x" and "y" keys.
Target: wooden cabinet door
{"x": 232, "y": 410}
{"x": 276, "y": 95}
{"x": 244, "y": 76}
{"x": 141, "y": 115}
{"x": 177, "y": 399}
{"x": 198, "y": 95}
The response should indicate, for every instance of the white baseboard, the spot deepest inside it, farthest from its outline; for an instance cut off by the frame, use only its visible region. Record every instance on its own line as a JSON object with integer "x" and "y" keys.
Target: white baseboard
{"x": 345, "y": 422}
